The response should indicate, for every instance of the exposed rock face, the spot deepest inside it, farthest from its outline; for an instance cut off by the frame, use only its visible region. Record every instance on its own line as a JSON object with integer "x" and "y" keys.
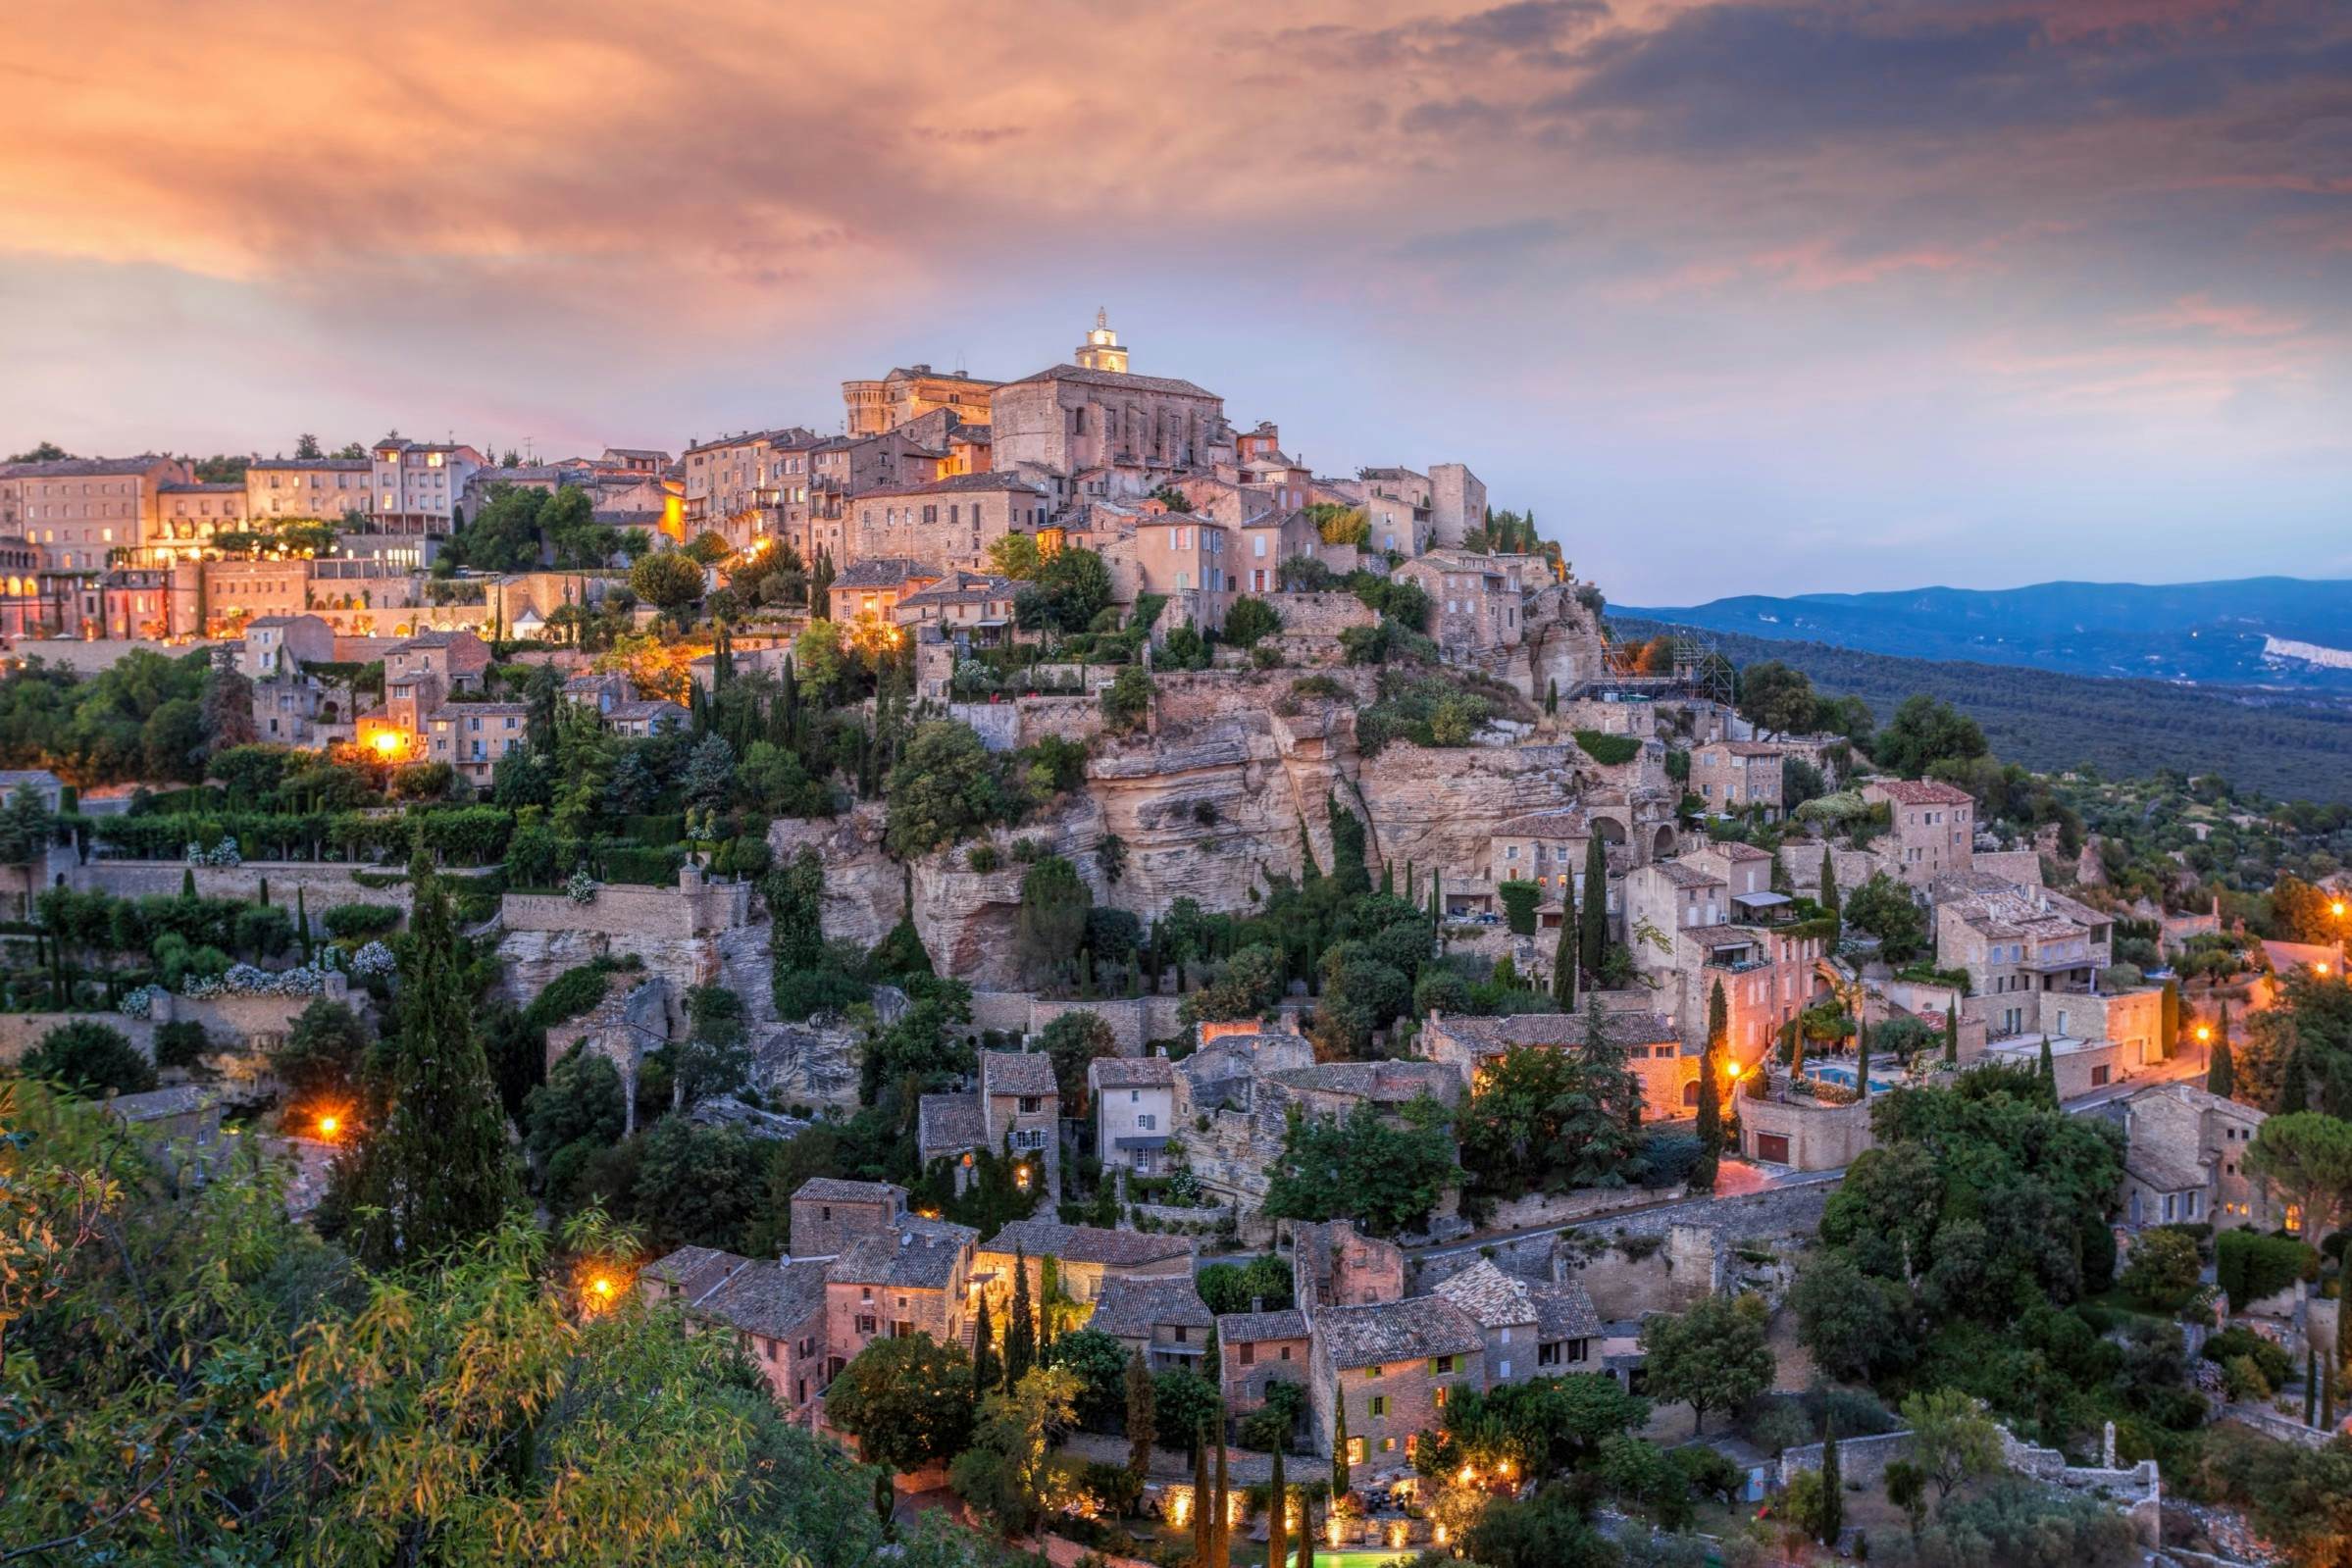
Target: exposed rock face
{"x": 1437, "y": 807}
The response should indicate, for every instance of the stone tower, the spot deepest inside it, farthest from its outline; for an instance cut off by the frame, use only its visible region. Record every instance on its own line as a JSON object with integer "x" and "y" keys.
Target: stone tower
{"x": 1102, "y": 351}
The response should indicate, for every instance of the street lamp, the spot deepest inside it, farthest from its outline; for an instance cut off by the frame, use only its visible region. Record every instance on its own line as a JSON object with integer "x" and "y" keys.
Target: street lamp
{"x": 329, "y": 1125}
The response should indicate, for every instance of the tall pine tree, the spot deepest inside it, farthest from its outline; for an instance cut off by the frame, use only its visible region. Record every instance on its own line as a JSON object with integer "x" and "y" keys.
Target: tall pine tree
{"x": 433, "y": 1172}
{"x": 1278, "y": 1516}
{"x": 1020, "y": 1328}
{"x": 1952, "y": 1033}
{"x": 1142, "y": 1416}
{"x": 2221, "y": 1068}
{"x": 986, "y": 1373}
{"x": 1563, "y": 956}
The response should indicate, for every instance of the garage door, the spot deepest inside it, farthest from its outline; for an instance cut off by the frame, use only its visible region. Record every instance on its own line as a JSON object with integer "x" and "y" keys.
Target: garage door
{"x": 1772, "y": 1147}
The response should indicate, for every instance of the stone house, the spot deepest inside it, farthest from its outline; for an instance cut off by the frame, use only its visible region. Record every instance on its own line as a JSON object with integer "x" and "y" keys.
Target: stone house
{"x": 280, "y": 644}
{"x": 1164, "y": 1318}
{"x": 79, "y": 510}
{"x": 1086, "y": 1258}
{"x": 1181, "y": 556}
{"x": 421, "y": 672}
{"x": 1531, "y": 1331}
{"x": 1258, "y": 1348}
{"x": 322, "y": 487}
{"x": 2183, "y": 1160}
{"x": 1401, "y": 508}
{"x": 1396, "y": 1364}
{"x": 907, "y": 393}
{"x": 2028, "y": 951}
{"x": 188, "y": 517}
{"x": 1135, "y": 1111}
{"x": 1015, "y": 1108}
{"x": 1653, "y": 1047}
{"x": 1233, "y": 1103}
{"x": 1331, "y": 1265}
{"x": 872, "y": 587}
{"x": 1457, "y": 503}
{"x": 1474, "y": 599}
{"x": 970, "y": 605}
{"x": 829, "y": 1213}
{"x": 1267, "y": 541}
{"x": 914, "y": 1277}
{"x": 1934, "y": 830}
{"x": 1732, "y": 776}
{"x": 639, "y": 718}
{"x": 471, "y": 736}
{"x": 1547, "y": 848}
{"x": 949, "y": 523}
{"x": 773, "y": 1307}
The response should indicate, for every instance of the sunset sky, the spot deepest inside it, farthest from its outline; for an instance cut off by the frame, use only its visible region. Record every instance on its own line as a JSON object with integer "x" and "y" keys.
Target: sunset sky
{"x": 1738, "y": 297}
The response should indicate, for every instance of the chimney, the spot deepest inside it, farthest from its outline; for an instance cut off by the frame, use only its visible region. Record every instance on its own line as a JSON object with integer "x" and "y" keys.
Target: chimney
{"x": 1258, "y": 1303}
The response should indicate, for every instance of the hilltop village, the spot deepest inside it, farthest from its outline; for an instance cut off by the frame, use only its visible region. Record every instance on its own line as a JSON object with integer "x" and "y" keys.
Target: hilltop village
{"x": 1096, "y": 963}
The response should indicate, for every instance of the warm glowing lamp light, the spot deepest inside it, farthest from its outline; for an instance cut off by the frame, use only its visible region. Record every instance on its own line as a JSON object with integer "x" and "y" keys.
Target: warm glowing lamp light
{"x": 387, "y": 741}
{"x": 601, "y": 1285}
{"x": 329, "y": 1125}
{"x": 2204, "y": 1032}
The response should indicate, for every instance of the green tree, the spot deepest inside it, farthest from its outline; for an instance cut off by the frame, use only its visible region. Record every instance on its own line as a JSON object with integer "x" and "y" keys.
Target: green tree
{"x": 1127, "y": 699}
{"x": 1519, "y": 898}
{"x": 1711, "y": 1103}
{"x": 1592, "y": 909}
{"x": 1951, "y": 1437}
{"x": 1072, "y": 1040}
{"x": 1924, "y": 732}
{"x": 1833, "y": 1490}
{"x": 1014, "y": 556}
{"x": 668, "y": 579}
{"x": 1548, "y": 1120}
{"x": 1885, "y": 909}
{"x": 431, "y": 1170}
{"x": 1776, "y": 698}
{"x": 1246, "y": 985}
{"x": 1003, "y": 1473}
{"x": 906, "y": 1400}
{"x": 1564, "y": 957}
{"x": 1249, "y": 619}
{"x": 1712, "y": 1357}
{"x": 1100, "y": 1363}
{"x": 2163, "y": 1271}
{"x": 91, "y": 1059}
{"x": 1386, "y": 1177}
{"x": 1848, "y": 1321}
{"x": 1020, "y": 1325}
{"x": 2306, "y": 1158}
{"x": 1143, "y": 1425}
{"x": 1052, "y": 922}
{"x": 988, "y": 1372}
{"x": 2221, "y": 1071}
{"x": 321, "y": 1056}
{"x": 944, "y": 788}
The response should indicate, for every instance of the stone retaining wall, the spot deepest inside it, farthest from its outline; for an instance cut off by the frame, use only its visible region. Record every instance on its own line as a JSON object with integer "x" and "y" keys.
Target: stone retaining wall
{"x": 325, "y": 883}
{"x": 692, "y": 908}
{"x": 240, "y": 1020}
{"x": 1860, "y": 1460}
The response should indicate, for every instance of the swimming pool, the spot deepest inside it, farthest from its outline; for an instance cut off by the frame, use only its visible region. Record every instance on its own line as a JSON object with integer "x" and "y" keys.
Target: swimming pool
{"x": 1842, "y": 1074}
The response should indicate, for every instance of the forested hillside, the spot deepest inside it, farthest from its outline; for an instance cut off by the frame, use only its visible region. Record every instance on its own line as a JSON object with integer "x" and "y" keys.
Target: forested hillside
{"x": 2291, "y": 748}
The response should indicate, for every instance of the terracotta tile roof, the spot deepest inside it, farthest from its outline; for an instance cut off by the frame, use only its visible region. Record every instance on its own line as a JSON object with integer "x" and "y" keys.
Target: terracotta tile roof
{"x": 1734, "y": 851}
{"x": 1116, "y": 379}
{"x": 1492, "y": 1297}
{"x": 1256, "y": 1328}
{"x": 770, "y": 1297}
{"x": 958, "y": 484}
{"x": 1565, "y": 1313}
{"x": 1017, "y": 1073}
{"x": 1087, "y": 1243}
{"x": 1410, "y": 1329}
{"x": 948, "y": 1124}
{"x": 1920, "y": 791}
{"x": 883, "y": 572}
{"x": 835, "y": 1189}
{"x": 695, "y": 1270}
{"x": 1131, "y": 1071}
{"x": 1684, "y": 875}
{"x": 1745, "y": 749}
{"x": 1129, "y": 1309}
{"x": 918, "y": 1254}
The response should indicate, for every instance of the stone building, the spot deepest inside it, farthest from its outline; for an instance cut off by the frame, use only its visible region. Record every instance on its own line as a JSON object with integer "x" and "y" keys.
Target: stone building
{"x": 471, "y": 736}
{"x": 949, "y": 523}
{"x": 416, "y": 485}
{"x": 1164, "y": 1318}
{"x": 773, "y": 1307}
{"x": 913, "y": 1277}
{"x": 829, "y": 1213}
{"x": 1732, "y": 776}
{"x": 1258, "y": 1348}
{"x": 81, "y": 510}
{"x": 188, "y": 517}
{"x": 1933, "y": 822}
{"x": 1135, "y": 1111}
{"x": 907, "y": 393}
{"x": 1015, "y": 1108}
{"x": 1266, "y": 544}
{"x": 2027, "y": 950}
{"x": 1332, "y": 1265}
{"x": 1653, "y": 1047}
{"x": 872, "y": 589}
{"x": 1457, "y": 503}
{"x": 2183, "y": 1159}
{"x": 1186, "y": 559}
{"x": 235, "y": 590}
{"x": 1547, "y": 848}
{"x": 972, "y": 605}
{"x": 1531, "y": 1331}
{"x": 1474, "y": 599}
{"x": 327, "y": 489}
{"x": 1396, "y": 1364}
{"x": 1400, "y": 506}
{"x": 1087, "y": 1258}
{"x": 1096, "y": 413}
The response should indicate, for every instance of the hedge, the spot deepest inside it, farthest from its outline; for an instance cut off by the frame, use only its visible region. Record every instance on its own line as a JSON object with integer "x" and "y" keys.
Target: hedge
{"x": 1519, "y": 898}
{"x": 2251, "y": 1265}
{"x": 630, "y": 863}
{"x": 1607, "y": 750}
{"x": 467, "y": 834}
{"x": 360, "y": 920}
{"x": 569, "y": 995}
{"x": 660, "y": 830}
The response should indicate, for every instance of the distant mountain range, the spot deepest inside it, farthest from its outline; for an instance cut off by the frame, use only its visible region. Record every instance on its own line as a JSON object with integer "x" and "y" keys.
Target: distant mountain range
{"x": 2284, "y": 634}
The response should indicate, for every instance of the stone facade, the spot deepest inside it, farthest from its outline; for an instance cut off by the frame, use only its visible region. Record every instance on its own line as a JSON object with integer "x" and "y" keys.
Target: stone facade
{"x": 1734, "y": 777}
{"x": 1074, "y": 417}
{"x": 2183, "y": 1160}
{"x": 1457, "y": 503}
{"x": 948, "y": 524}
{"x": 1935, "y": 829}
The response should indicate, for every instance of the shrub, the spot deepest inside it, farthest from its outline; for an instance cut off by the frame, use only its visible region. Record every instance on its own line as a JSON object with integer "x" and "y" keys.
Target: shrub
{"x": 982, "y": 858}
{"x": 568, "y": 995}
{"x": 2250, "y": 1265}
{"x": 632, "y": 863}
{"x": 179, "y": 1043}
{"x": 91, "y": 1058}
{"x": 1519, "y": 898}
{"x": 1607, "y": 750}
{"x": 359, "y": 920}
{"x": 2242, "y": 1343}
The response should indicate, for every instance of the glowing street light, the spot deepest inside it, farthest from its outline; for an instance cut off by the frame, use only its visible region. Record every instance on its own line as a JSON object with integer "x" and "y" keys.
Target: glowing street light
{"x": 329, "y": 1125}
{"x": 2204, "y": 1032}
{"x": 388, "y": 743}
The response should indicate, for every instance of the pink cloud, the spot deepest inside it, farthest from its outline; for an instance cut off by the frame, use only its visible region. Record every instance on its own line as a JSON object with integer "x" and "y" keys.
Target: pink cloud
{"x": 2201, "y": 313}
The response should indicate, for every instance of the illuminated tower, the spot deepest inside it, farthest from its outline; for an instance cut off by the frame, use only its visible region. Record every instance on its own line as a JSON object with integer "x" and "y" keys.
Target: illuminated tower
{"x": 1102, "y": 351}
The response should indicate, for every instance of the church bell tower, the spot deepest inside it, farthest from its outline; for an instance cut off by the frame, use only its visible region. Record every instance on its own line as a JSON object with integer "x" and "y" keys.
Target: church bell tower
{"x": 1102, "y": 351}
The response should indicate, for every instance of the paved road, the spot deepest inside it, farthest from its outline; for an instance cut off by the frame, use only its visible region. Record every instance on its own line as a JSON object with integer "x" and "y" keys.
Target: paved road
{"x": 1767, "y": 1184}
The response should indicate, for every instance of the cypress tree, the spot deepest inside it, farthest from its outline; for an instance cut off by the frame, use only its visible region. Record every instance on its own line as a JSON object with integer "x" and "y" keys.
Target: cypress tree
{"x": 1221, "y": 1532}
{"x": 264, "y": 894}
{"x": 985, "y": 1372}
{"x": 2220, "y": 1069}
{"x": 1564, "y": 957}
{"x": 1388, "y": 879}
{"x": 1204, "y": 1532}
{"x": 1833, "y": 1490}
{"x": 1710, "y": 1104}
{"x": 1306, "y": 1531}
{"x": 1278, "y": 1516}
{"x": 1552, "y": 695}
{"x": 187, "y": 883}
{"x": 2168, "y": 1026}
{"x": 2311, "y": 1384}
{"x": 1592, "y": 909}
{"x": 302, "y": 922}
{"x": 1862, "y": 1056}
{"x": 2333, "y": 1366}
{"x": 2293, "y": 1095}
{"x": 434, "y": 1172}
{"x": 1339, "y": 1450}
{"x": 1952, "y": 1032}
{"x": 1413, "y": 895}
{"x": 1437, "y": 901}
{"x": 2049, "y": 1071}
{"x": 1142, "y": 1416}
{"x": 1829, "y": 895}
{"x": 1020, "y": 1329}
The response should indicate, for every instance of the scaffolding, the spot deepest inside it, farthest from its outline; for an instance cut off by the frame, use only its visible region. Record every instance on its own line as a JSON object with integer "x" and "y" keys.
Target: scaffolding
{"x": 1682, "y": 662}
